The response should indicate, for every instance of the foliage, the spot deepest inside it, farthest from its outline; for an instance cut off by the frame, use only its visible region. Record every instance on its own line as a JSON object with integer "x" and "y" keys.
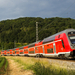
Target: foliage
{"x": 6, "y": 64}
{"x": 2, "y": 62}
{"x": 23, "y": 30}
{"x": 41, "y": 69}
{"x": 3, "y": 65}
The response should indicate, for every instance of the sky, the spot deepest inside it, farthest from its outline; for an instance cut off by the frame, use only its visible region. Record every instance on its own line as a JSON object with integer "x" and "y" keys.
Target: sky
{"x": 12, "y": 9}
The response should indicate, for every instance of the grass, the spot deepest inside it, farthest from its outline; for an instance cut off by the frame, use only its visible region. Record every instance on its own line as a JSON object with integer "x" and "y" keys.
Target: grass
{"x": 41, "y": 67}
{"x": 2, "y": 62}
{"x": 3, "y": 65}
{"x": 6, "y": 65}
{"x": 25, "y": 63}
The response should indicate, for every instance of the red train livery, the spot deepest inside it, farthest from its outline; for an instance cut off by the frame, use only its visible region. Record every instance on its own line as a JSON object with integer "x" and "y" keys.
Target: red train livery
{"x": 60, "y": 45}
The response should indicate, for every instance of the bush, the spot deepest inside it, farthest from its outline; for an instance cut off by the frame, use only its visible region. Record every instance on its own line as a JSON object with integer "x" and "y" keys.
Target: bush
{"x": 40, "y": 69}
{"x": 6, "y": 64}
{"x": 2, "y": 62}
{"x": 3, "y": 65}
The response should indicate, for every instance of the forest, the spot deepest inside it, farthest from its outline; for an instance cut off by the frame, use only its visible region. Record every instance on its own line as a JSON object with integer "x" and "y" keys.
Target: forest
{"x": 22, "y": 31}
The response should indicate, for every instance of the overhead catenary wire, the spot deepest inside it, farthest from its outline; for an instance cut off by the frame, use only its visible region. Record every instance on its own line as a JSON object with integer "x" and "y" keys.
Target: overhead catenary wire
{"x": 55, "y": 19}
{"x": 68, "y": 8}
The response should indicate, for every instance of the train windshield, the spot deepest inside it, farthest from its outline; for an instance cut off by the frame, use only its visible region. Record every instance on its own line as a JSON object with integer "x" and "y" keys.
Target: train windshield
{"x": 71, "y": 36}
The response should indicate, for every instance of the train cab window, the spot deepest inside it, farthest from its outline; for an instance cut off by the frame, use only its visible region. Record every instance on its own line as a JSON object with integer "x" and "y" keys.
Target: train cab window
{"x": 71, "y": 36}
{"x": 63, "y": 44}
{"x": 50, "y": 50}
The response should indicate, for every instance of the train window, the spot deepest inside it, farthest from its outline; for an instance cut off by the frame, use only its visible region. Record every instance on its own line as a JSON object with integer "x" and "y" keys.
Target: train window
{"x": 10, "y": 52}
{"x": 21, "y": 52}
{"x": 50, "y": 50}
{"x": 63, "y": 44}
{"x": 7, "y": 53}
{"x": 26, "y": 49}
{"x": 31, "y": 52}
{"x": 41, "y": 47}
{"x": 15, "y": 52}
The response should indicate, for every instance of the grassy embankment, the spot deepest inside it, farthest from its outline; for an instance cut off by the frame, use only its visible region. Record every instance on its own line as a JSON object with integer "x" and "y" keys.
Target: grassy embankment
{"x": 3, "y": 65}
{"x": 41, "y": 67}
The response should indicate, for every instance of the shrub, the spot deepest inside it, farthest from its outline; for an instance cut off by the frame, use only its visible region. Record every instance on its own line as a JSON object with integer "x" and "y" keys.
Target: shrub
{"x": 40, "y": 69}
{"x": 2, "y": 62}
{"x": 6, "y": 64}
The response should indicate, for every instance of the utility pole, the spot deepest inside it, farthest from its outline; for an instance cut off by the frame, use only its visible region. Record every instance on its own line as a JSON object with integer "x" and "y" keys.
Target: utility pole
{"x": 36, "y": 31}
{"x": 2, "y": 47}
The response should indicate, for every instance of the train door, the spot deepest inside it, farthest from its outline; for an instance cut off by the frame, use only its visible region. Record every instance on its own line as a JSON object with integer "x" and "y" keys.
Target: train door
{"x": 54, "y": 48}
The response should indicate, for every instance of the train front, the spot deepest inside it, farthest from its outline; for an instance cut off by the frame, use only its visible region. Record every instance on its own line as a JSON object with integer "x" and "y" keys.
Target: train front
{"x": 71, "y": 38}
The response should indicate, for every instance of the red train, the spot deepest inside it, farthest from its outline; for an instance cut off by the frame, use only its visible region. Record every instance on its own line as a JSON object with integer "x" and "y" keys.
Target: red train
{"x": 60, "y": 45}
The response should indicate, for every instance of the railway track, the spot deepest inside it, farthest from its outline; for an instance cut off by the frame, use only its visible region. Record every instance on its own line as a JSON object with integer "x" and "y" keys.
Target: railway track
{"x": 73, "y": 60}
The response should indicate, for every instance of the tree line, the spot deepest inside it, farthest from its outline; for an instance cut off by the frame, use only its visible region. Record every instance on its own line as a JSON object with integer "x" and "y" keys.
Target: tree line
{"x": 23, "y": 30}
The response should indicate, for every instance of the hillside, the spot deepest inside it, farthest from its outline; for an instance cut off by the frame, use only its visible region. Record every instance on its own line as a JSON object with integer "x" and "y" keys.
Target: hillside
{"x": 23, "y": 30}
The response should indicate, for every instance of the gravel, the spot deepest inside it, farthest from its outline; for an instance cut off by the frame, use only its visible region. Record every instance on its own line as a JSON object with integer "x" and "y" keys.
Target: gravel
{"x": 63, "y": 63}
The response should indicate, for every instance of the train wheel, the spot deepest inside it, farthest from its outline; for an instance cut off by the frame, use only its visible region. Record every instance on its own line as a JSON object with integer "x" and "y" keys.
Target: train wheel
{"x": 37, "y": 55}
{"x": 41, "y": 55}
{"x": 62, "y": 56}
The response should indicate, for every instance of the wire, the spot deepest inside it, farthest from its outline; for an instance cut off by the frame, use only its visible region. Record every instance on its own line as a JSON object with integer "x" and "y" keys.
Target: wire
{"x": 45, "y": 26}
{"x": 55, "y": 19}
{"x": 69, "y": 6}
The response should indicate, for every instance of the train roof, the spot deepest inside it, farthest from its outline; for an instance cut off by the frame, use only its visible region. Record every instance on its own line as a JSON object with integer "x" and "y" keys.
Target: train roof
{"x": 3, "y": 50}
{"x": 33, "y": 44}
{"x": 53, "y": 36}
